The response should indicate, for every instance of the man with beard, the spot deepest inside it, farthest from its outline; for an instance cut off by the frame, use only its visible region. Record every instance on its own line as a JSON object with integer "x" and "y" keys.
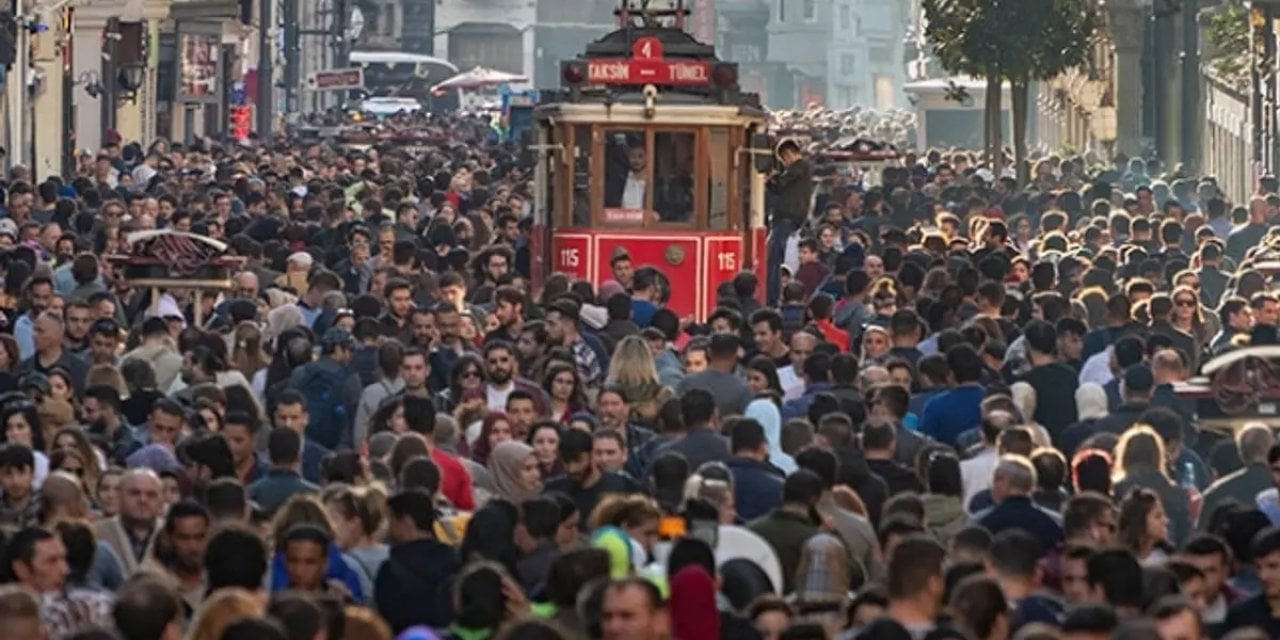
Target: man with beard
{"x": 501, "y": 367}
{"x": 583, "y": 481}
{"x": 398, "y": 295}
{"x": 509, "y": 310}
{"x": 532, "y": 346}
{"x": 38, "y": 298}
{"x": 426, "y": 334}
{"x": 101, "y": 411}
{"x": 104, "y": 342}
{"x": 240, "y": 430}
{"x": 186, "y": 528}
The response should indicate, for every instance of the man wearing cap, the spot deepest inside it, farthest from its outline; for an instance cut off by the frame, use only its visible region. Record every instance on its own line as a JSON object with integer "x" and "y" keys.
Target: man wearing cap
{"x": 330, "y": 379}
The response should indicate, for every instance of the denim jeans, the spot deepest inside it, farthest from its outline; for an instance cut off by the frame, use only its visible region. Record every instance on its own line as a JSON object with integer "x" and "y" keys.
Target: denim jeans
{"x": 780, "y": 231}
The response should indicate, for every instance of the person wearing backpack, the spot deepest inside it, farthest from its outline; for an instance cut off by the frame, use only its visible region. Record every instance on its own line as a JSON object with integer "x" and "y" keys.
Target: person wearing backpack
{"x": 332, "y": 390}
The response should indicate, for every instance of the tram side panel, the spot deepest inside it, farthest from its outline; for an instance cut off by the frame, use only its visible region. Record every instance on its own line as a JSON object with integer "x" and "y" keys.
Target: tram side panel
{"x": 678, "y": 257}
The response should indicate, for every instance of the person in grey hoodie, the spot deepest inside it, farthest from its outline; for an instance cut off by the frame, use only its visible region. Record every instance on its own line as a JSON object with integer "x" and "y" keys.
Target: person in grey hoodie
{"x": 390, "y": 356}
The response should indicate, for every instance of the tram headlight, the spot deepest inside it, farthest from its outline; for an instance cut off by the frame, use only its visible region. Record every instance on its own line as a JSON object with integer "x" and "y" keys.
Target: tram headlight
{"x": 573, "y": 74}
{"x": 725, "y": 75}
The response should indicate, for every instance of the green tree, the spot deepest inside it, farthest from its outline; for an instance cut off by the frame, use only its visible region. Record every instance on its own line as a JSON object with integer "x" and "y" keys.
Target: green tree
{"x": 1229, "y": 43}
{"x": 965, "y": 43}
{"x": 1052, "y": 36}
{"x": 1021, "y": 41}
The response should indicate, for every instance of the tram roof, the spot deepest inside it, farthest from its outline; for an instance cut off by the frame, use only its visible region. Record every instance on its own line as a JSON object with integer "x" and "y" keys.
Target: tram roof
{"x": 615, "y": 69}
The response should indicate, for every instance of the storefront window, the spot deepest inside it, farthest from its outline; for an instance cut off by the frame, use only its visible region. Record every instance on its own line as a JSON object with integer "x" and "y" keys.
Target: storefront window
{"x": 198, "y": 73}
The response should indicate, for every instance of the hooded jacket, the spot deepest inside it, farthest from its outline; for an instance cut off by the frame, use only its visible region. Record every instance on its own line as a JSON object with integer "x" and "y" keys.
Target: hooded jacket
{"x": 413, "y": 587}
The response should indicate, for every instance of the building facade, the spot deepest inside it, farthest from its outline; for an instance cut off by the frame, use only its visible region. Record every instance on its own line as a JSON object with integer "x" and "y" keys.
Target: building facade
{"x": 562, "y": 31}
{"x": 843, "y": 53}
{"x": 497, "y": 34}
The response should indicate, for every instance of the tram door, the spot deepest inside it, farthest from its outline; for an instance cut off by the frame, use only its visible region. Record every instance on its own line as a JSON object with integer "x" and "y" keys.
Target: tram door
{"x": 669, "y": 197}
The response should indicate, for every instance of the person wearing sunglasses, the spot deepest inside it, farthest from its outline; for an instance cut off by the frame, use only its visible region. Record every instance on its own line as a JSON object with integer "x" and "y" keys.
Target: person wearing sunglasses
{"x": 1161, "y": 309}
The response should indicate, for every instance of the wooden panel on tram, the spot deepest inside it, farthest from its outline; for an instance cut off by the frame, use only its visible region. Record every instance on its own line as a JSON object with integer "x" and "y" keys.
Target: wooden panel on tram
{"x": 571, "y": 255}
{"x": 678, "y": 257}
{"x": 723, "y": 260}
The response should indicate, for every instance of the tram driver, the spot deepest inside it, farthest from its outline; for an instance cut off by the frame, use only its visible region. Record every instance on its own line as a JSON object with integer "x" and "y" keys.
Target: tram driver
{"x": 627, "y": 186}
{"x": 628, "y": 189}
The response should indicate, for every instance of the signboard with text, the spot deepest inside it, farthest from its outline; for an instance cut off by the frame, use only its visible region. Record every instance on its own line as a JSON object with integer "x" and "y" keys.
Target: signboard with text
{"x": 337, "y": 79}
{"x": 648, "y": 66}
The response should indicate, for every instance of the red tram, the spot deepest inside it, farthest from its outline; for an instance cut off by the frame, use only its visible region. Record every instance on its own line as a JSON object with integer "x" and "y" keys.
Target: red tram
{"x": 649, "y": 150}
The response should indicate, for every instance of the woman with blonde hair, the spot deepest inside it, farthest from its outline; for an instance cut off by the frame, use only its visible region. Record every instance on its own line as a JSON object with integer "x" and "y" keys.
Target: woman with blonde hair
{"x": 361, "y": 623}
{"x": 633, "y": 371}
{"x": 358, "y": 515}
{"x": 1140, "y": 463}
{"x": 220, "y": 609}
{"x": 247, "y": 353}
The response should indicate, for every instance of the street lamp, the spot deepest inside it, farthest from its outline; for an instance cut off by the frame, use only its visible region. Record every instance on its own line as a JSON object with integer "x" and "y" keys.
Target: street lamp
{"x": 129, "y": 80}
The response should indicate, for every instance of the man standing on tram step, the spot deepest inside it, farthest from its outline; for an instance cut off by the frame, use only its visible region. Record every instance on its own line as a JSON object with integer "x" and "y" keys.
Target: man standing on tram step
{"x": 791, "y": 189}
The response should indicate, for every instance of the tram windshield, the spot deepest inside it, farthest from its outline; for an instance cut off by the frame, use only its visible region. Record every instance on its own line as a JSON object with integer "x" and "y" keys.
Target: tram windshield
{"x": 649, "y": 175}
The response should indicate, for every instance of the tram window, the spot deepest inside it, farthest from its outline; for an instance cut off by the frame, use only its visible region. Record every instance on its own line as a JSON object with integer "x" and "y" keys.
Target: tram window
{"x": 582, "y": 176}
{"x": 626, "y": 172}
{"x": 718, "y": 181}
{"x": 673, "y": 169}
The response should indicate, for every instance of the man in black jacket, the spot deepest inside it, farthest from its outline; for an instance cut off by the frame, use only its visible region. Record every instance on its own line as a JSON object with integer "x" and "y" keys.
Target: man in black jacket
{"x": 413, "y": 586}
{"x": 792, "y": 189}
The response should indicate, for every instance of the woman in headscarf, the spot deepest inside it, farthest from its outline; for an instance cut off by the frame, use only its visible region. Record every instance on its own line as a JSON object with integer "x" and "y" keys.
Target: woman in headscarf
{"x": 822, "y": 582}
{"x": 694, "y": 615}
{"x": 515, "y": 472}
{"x": 1091, "y": 405}
{"x": 764, "y": 411}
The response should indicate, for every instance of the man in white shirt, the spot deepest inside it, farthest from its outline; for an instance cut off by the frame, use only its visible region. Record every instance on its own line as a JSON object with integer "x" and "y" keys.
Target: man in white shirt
{"x": 975, "y": 473}
{"x": 633, "y": 193}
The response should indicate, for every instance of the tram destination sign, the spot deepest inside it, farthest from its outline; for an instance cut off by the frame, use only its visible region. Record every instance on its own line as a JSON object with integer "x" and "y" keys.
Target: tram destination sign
{"x": 648, "y": 66}
{"x": 662, "y": 72}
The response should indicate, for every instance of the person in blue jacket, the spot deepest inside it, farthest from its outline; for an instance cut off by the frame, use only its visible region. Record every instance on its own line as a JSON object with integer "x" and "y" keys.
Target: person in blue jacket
{"x": 310, "y": 561}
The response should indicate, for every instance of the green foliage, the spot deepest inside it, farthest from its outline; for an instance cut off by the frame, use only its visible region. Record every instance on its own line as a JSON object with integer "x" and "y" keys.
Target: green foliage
{"x": 1020, "y": 41}
{"x": 1228, "y": 36}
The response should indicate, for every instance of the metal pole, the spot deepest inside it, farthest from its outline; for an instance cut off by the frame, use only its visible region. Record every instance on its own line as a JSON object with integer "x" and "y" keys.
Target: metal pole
{"x": 292, "y": 56}
{"x": 266, "y": 69}
{"x": 109, "y": 85}
{"x": 16, "y": 86}
{"x": 341, "y": 47}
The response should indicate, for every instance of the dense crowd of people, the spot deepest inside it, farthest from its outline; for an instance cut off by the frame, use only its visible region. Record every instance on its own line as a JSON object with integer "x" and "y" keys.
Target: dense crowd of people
{"x": 950, "y": 411}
